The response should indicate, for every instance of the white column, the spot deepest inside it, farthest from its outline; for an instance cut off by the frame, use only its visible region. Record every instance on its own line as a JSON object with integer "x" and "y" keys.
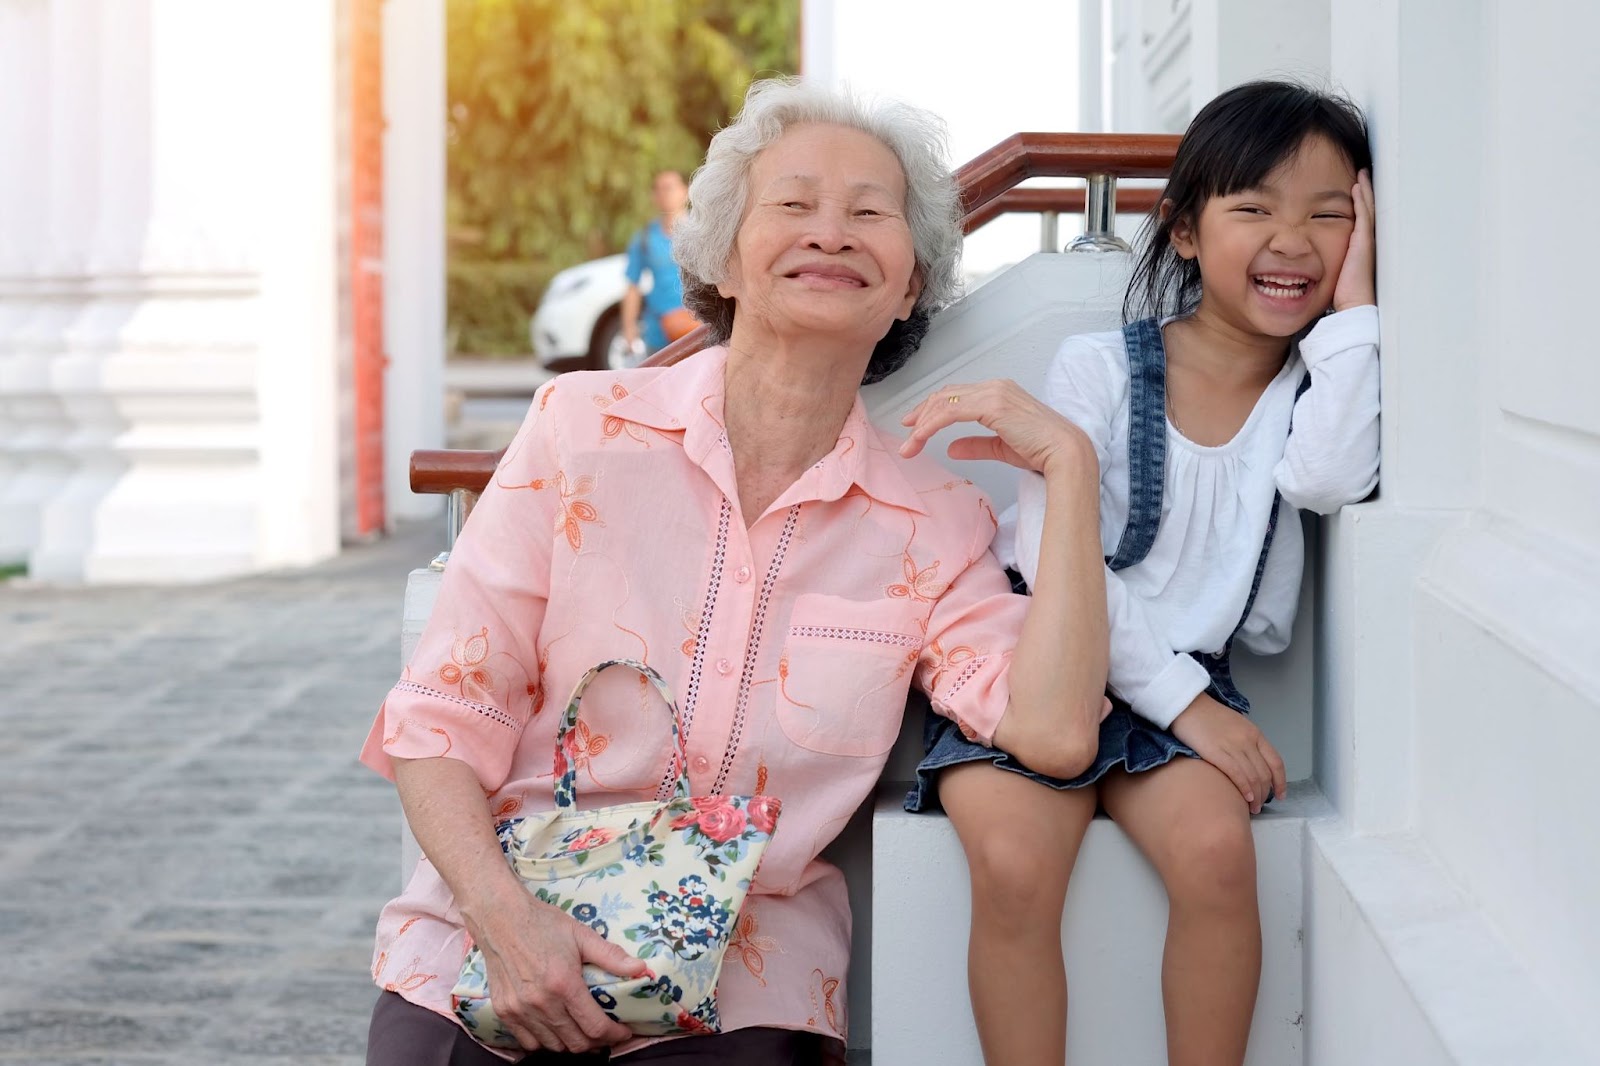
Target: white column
{"x": 24, "y": 31}
{"x": 197, "y": 375}
{"x": 50, "y": 117}
{"x": 413, "y": 244}
{"x": 298, "y": 499}
{"x": 102, "y": 209}
{"x": 1430, "y": 197}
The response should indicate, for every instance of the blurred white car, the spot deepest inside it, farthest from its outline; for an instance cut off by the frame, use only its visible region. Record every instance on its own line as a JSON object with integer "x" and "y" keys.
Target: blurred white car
{"x": 579, "y": 319}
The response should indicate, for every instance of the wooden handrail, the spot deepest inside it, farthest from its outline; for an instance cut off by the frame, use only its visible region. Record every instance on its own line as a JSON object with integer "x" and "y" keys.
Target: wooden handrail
{"x": 442, "y": 470}
{"x": 1062, "y": 201}
{"x": 1062, "y": 155}
{"x": 983, "y": 181}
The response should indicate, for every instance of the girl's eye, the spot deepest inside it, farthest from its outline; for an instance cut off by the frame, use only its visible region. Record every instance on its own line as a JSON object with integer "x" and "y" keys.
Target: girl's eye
{"x": 1250, "y": 209}
{"x": 1336, "y": 216}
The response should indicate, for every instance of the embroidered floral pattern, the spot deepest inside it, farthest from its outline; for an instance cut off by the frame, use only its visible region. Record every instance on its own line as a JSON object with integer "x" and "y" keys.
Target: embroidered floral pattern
{"x": 823, "y": 989}
{"x": 573, "y": 511}
{"x": 466, "y": 661}
{"x": 410, "y": 978}
{"x": 921, "y": 583}
{"x": 409, "y": 723}
{"x": 750, "y": 947}
{"x": 969, "y": 668}
{"x": 582, "y": 745}
{"x": 612, "y": 427}
{"x": 945, "y": 661}
{"x": 783, "y": 686}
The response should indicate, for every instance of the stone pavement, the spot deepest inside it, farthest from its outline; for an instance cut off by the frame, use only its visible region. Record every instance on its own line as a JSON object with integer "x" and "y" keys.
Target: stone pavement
{"x": 191, "y": 859}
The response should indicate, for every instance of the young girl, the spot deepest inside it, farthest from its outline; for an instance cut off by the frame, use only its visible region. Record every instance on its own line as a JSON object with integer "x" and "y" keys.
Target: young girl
{"x": 1232, "y": 404}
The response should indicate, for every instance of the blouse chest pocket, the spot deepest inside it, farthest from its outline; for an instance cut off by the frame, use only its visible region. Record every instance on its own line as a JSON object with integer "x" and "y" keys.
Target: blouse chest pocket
{"x": 845, "y": 671}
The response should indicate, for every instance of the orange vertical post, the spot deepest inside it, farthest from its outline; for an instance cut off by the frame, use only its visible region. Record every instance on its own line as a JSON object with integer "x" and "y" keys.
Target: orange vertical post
{"x": 366, "y": 258}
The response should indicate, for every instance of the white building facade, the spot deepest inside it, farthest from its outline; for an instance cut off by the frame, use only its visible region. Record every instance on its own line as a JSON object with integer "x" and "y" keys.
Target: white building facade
{"x": 1452, "y": 903}
{"x": 175, "y": 306}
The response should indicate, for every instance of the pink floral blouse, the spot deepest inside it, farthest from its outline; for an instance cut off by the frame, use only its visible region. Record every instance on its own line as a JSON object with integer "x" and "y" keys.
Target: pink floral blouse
{"x": 612, "y": 529}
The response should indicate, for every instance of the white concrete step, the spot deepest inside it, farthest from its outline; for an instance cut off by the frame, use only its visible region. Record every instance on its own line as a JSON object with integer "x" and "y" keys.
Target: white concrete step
{"x": 1112, "y": 934}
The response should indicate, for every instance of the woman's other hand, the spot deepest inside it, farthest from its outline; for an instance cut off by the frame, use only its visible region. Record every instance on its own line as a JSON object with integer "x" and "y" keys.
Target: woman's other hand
{"x": 1357, "y": 284}
{"x": 1027, "y": 433}
{"x": 1233, "y": 744}
{"x": 534, "y": 956}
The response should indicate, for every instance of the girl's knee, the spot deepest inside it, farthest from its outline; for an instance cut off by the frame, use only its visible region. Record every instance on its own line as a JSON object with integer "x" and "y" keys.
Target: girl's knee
{"x": 1212, "y": 863}
{"x": 1015, "y": 881}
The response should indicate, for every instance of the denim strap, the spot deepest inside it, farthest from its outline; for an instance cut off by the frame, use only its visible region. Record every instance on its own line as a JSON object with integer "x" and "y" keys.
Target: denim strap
{"x": 1147, "y": 441}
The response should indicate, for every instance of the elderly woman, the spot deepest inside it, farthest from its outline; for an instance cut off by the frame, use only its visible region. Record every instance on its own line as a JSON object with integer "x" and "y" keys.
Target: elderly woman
{"x": 736, "y": 522}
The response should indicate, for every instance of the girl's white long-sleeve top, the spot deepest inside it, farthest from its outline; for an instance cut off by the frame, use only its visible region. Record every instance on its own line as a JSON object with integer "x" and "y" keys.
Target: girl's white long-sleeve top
{"x": 1190, "y": 590}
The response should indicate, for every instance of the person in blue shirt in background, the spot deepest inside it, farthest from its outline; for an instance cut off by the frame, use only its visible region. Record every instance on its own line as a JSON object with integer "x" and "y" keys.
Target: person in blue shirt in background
{"x": 651, "y": 250}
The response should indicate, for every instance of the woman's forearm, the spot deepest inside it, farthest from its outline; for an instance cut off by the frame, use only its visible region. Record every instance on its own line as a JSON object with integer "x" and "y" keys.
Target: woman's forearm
{"x": 448, "y": 814}
{"x": 1060, "y": 660}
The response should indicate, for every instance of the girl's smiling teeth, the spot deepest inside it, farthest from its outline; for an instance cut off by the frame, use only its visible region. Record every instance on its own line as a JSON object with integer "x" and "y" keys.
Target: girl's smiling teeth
{"x": 1281, "y": 286}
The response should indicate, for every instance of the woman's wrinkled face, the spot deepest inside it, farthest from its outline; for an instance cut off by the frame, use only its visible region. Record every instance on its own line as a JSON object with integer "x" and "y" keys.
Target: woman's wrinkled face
{"x": 824, "y": 246}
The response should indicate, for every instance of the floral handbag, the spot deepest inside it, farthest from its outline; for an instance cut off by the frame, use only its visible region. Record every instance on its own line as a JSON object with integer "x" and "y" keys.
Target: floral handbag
{"x": 665, "y": 881}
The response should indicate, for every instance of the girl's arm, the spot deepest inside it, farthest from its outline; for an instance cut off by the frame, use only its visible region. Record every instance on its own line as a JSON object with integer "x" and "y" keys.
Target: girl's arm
{"x": 1057, "y": 672}
{"x": 1331, "y": 458}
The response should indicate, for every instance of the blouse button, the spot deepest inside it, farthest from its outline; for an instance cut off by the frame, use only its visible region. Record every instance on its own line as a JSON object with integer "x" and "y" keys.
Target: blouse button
{"x": 742, "y": 574}
{"x": 724, "y": 667}
{"x": 700, "y": 764}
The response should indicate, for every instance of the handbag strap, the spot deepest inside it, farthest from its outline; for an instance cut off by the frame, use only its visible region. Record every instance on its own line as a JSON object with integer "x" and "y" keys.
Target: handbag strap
{"x": 567, "y": 766}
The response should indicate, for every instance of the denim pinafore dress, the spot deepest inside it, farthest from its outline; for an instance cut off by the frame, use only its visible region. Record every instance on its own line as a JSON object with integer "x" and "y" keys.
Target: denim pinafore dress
{"x": 1127, "y": 740}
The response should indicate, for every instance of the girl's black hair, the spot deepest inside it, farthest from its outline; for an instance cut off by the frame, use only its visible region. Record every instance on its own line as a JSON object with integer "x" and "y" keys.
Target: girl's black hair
{"x": 1232, "y": 145}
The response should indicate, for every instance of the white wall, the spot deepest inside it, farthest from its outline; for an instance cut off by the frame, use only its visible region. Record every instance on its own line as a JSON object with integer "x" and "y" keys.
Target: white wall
{"x": 1159, "y": 61}
{"x": 1473, "y": 731}
{"x": 1009, "y": 68}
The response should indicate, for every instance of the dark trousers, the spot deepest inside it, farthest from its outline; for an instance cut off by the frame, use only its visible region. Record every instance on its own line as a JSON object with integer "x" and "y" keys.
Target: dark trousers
{"x": 404, "y": 1034}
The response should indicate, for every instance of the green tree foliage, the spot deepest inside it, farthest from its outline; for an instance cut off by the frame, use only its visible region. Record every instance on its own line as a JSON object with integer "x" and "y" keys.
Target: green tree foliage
{"x": 561, "y": 111}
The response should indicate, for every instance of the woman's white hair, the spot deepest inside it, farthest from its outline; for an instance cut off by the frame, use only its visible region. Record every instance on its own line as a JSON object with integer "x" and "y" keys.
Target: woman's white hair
{"x": 703, "y": 240}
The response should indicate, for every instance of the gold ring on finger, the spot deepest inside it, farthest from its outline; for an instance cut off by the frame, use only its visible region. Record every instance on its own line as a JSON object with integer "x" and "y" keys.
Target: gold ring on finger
{"x": 954, "y": 399}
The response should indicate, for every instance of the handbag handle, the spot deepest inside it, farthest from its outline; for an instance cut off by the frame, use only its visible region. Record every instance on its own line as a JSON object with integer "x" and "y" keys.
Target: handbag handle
{"x": 567, "y": 768}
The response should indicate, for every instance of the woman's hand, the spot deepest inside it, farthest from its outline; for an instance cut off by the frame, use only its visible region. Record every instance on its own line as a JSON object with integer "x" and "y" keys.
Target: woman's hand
{"x": 1231, "y": 742}
{"x": 1357, "y": 284}
{"x": 534, "y": 956}
{"x": 1027, "y": 433}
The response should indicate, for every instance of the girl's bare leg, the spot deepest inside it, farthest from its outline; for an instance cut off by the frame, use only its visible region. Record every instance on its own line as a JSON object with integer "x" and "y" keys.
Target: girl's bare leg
{"x": 1021, "y": 839}
{"x": 1193, "y": 825}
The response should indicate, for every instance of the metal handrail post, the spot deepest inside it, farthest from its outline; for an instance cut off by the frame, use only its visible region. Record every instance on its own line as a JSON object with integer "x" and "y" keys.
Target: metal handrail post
{"x": 457, "y": 506}
{"x": 1099, "y": 218}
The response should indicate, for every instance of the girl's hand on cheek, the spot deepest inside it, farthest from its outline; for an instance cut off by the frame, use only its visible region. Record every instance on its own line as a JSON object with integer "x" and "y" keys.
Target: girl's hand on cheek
{"x": 1357, "y": 284}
